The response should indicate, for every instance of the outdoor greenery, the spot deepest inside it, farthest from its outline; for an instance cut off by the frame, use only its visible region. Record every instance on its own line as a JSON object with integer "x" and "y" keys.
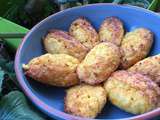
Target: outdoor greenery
{"x": 13, "y": 103}
{"x": 27, "y": 13}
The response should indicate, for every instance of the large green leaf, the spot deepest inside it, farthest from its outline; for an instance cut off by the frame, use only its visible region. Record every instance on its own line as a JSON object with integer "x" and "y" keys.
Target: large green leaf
{"x": 14, "y": 106}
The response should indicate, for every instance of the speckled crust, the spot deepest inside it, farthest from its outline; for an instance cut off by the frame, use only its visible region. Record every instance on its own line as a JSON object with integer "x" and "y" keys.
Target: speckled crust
{"x": 83, "y": 31}
{"x": 58, "y": 41}
{"x": 149, "y": 66}
{"x": 111, "y": 30}
{"x": 53, "y": 69}
{"x": 99, "y": 63}
{"x": 85, "y": 100}
{"x": 132, "y": 92}
{"x": 135, "y": 46}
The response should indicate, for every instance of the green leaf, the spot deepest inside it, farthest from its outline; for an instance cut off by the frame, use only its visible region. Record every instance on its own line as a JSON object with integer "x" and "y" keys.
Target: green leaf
{"x": 154, "y": 4}
{"x": 14, "y": 106}
{"x": 1, "y": 78}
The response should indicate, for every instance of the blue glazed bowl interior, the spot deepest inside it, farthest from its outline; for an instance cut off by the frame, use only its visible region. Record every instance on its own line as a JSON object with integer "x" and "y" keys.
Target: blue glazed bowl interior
{"x": 32, "y": 46}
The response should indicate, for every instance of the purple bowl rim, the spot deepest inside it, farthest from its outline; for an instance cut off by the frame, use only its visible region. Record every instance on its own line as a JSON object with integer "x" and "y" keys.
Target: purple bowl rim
{"x": 57, "y": 113}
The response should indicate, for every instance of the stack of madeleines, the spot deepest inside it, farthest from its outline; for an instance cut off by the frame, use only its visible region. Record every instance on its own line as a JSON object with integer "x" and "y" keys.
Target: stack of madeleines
{"x": 100, "y": 66}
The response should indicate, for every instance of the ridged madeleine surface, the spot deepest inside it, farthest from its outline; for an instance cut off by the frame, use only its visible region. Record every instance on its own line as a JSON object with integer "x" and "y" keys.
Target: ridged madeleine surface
{"x": 99, "y": 63}
{"x": 149, "y": 66}
{"x": 53, "y": 69}
{"x": 111, "y": 30}
{"x": 58, "y": 41}
{"x": 85, "y": 100}
{"x": 84, "y": 32}
{"x": 135, "y": 46}
{"x": 132, "y": 92}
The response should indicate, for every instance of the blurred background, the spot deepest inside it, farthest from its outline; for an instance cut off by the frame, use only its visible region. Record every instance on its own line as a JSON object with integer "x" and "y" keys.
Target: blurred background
{"x": 27, "y": 13}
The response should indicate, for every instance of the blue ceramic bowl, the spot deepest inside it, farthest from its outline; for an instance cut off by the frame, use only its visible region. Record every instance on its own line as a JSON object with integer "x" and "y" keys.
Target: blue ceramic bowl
{"x": 50, "y": 99}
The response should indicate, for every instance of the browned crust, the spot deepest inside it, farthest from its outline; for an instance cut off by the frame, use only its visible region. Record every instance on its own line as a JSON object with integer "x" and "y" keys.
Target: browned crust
{"x": 101, "y": 102}
{"x": 72, "y": 46}
{"x": 70, "y": 80}
{"x": 139, "y": 82}
{"x": 109, "y": 64}
{"x": 47, "y": 70}
{"x": 115, "y": 26}
{"x": 133, "y": 50}
{"x": 59, "y": 33}
{"x": 149, "y": 66}
{"x": 83, "y": 23}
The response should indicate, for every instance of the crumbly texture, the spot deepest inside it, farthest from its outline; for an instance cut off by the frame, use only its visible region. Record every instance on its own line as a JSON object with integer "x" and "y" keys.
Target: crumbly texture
{"x": 85, "y": 100}
{"x": 111, "y": 30}
{"x": 149, "y": 66}
{"x": 99, "y": 63}
{"x": 132, "y": 92}
{"x": 57, "y": 42}
{"x": 84, "y": 32}
{"x": 135, "y": 46}
{"x": 53, "y": 69}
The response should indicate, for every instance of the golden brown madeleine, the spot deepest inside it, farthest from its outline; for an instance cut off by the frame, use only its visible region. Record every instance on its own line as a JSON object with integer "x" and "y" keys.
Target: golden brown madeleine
{"x": 149, "y": 66}
{"x": 84, "y": 32}
{"x": 111, "y": 30}
{"x": 135, "y": 46}
{"x": 132, "y": 92}
{"x": 85, "y": 100}
{"x": 58, "y": 41}
{"x": 53, "y": 69}
{"x": 99, "y": 63}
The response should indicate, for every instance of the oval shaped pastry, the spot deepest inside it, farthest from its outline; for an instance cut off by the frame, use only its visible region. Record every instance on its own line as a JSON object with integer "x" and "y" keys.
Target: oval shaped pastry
{"x": 84, "y": 32}
{"x": 111, "y": 30}
{"x": 53, "y": 69}
{"x": 58, "y": 41}
{"x": 149, "y": 66}
{"x": 99, "y": 63}
{"x": 85, "y": 100}
{"x": 132, "y": 92}
{"x": 135, "y": 46}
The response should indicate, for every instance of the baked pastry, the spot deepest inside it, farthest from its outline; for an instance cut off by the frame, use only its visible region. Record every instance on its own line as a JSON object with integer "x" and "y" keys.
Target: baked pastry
{"x": 85, "y": 100}
{"x": 84, "y": 32}
{"x": 60, "y": 42}
{"x": 111, "y": 30}
{"x": 135, "y": 46}
{"x": 132, "y": 92}
{"x": 99, "y": 63}
{"x": 149, "y": 66}
{"x": 53, "y": 69}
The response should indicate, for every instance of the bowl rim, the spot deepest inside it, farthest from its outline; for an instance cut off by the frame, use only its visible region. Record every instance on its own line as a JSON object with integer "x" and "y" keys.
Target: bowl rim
{"x": 52, "y": 112}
